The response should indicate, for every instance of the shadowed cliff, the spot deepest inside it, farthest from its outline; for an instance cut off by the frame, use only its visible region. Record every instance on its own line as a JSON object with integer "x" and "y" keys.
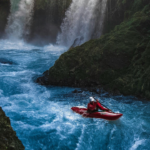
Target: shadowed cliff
{"x": 8, "y": 138}
{"x": 47, "y": 18}
{"x": 4, "y": 13}
{"x": 120, "y": 10}
{"x": 118, "y": 60}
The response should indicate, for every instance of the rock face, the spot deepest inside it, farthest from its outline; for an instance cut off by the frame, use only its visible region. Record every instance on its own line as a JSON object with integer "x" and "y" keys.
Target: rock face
{"x": 47, "y": 18}
{"x": 4, "y": 13}
{"x": 8, "y": 138}
{"x": 118, "y": 11}
{"x": 118, "y": 61}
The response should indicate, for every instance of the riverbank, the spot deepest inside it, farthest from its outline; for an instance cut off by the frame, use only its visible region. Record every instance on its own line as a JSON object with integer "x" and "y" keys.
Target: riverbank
{"x": 118, "y": 61}
{"x": 8, "y": 138}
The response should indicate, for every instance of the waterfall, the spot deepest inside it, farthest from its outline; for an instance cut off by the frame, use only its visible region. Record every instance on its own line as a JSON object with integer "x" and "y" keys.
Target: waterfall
{"x": 84, "y": 21}
{"x": 20, "y": 19}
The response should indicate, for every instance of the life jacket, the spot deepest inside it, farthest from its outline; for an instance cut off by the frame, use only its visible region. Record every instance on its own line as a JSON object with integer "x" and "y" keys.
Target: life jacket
{"x": 95, "y": 106}
{"x": 92, "y": 106}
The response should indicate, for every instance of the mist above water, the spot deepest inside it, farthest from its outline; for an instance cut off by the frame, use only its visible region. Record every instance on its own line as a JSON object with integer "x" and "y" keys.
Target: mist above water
{"x": 84, "y": 21}
{"x": 19, "y": 20}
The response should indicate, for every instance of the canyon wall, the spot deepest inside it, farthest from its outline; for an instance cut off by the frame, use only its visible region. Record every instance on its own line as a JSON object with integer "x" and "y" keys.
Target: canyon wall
{"x": 118, "y": 61}
{"x": 4, "y": 13}
{"x": 8, "y": 138}
{"x": 47, "y": 18}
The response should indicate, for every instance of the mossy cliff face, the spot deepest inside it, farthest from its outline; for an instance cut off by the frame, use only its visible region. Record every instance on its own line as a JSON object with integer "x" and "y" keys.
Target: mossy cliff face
{"x": 8, "y": 138}
{"x": 47, "y": 18}
{"x": 119, "y": 60}
{"x": 4, "y": 12}
{"x": 121, "y": 10}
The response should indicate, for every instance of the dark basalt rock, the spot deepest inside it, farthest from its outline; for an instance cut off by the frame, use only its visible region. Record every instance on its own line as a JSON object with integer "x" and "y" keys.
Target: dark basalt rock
{"x": 42, "y": 80}
{"x": 8, "y": 138}
{"x": 77, "y": 91}
{"x": 4, "y": 13}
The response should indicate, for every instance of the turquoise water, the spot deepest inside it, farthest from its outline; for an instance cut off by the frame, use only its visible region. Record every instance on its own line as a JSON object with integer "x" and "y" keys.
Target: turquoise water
{"x": 42, "y": 118}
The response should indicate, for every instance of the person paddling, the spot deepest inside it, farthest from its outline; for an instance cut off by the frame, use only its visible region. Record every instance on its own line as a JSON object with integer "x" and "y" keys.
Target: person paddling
{"x": 94, "y": 106}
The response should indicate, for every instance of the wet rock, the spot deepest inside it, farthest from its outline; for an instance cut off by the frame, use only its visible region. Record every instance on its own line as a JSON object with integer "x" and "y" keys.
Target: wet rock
{"x": 77, "y": 42}
{"x": 8, "y": 138}
{"x": 77, "y": 91}
{"x": 4, "y": 13}
{"x": 42, "y": 80}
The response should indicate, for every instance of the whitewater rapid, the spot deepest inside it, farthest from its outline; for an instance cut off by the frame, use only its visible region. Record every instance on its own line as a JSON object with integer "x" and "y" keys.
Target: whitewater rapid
{"x": 42, "y": 118}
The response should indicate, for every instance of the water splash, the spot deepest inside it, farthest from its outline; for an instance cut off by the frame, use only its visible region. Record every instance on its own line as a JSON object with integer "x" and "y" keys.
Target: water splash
{"x": 20, "y": 19}
{"x": 42, "y": 118}
{"x": 84, "y": 21}
{"x": 136, "y": 144}
{"x": 13, "y": 45}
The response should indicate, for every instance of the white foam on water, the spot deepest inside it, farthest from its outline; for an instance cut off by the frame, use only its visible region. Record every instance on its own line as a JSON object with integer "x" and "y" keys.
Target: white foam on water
{"x": 79, "y": 144}
{"x": 42, "y": 116}
{"x": 16, "y": 45}
{"x": 13, "y": 74}
{"x": 1, "y": 92}
{"x": 54, "y": 48}
{"x": 137, "y": 144}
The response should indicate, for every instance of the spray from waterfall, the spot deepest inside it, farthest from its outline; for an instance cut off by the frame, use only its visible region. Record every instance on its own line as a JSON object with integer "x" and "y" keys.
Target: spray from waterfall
{"x": 20, "y": 19}
{"x": 84, "y": 21}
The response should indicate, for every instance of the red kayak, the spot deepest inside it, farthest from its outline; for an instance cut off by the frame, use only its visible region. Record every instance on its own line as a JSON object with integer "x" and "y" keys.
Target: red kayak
{"x": 103, "y": 115}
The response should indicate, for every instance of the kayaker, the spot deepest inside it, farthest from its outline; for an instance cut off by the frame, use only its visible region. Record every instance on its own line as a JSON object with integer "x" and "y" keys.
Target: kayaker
{"x": 94, "y": 106}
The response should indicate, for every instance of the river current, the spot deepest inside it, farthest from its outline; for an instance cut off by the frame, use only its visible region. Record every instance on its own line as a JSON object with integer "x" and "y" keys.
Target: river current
{"x": 42, "y": 118}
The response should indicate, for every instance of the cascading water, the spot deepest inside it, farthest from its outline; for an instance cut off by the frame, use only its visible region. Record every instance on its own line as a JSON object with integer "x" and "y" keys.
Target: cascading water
{"x": 20, "y": 19}
{"x": 84, "y": 21}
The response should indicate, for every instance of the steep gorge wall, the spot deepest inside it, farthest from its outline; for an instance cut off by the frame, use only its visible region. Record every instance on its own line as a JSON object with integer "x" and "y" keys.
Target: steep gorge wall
{"x": 8, "y": 138}
{"x": 47, "y": 18}
{"x": 118, "y": 61}
{"x": 120, "y": 10}
{"x": 4, "y": 13}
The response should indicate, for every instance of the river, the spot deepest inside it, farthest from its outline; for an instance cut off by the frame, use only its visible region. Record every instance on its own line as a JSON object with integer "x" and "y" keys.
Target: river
{"x": 42, "y": 118}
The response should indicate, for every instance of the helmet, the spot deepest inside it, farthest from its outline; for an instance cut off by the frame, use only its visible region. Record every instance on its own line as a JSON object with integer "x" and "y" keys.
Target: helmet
{"x": 91, "y": 99}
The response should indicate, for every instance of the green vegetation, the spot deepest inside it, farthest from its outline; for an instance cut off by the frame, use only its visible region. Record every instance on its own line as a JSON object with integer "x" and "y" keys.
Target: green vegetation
{"x": 121, "y": 10}
{"x": 119, "y": 60}
{"x": 8, "y": 138}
